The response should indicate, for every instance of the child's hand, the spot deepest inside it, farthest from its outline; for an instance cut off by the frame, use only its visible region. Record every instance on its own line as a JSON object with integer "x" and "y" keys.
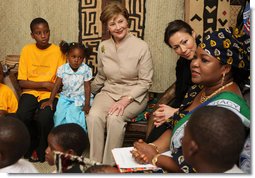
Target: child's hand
{"x": 47, "y": 103}
{"x": 86, "y": 108}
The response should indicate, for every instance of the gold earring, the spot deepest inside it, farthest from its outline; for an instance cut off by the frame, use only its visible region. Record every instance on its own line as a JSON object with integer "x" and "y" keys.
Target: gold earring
{"x": 223, "y": 78}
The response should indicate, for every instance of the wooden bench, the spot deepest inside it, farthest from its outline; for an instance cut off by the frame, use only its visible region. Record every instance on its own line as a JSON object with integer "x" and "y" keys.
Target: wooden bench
{"x": 134, "y": 130}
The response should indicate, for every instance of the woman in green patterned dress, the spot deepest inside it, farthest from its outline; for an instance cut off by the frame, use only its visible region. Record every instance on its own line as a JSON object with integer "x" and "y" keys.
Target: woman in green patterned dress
{"x": 219, "y": 68}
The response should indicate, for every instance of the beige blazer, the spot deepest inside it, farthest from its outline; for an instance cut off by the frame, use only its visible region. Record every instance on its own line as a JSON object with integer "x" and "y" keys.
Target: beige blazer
{"x": 126, "y": 71}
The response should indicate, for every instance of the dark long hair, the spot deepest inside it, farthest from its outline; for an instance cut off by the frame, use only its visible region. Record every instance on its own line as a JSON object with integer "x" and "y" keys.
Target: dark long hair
{"x": 175, "y": 26}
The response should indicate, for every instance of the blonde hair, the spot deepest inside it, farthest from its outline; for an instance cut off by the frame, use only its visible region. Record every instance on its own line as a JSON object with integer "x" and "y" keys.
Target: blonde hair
{"x": 112, "y": 9}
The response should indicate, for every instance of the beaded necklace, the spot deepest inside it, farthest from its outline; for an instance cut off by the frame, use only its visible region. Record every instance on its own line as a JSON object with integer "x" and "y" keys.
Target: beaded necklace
{"x": 204, "y": 98}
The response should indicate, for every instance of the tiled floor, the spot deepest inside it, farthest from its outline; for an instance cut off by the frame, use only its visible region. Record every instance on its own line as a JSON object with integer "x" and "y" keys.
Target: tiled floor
{"x": 44, "y": 167}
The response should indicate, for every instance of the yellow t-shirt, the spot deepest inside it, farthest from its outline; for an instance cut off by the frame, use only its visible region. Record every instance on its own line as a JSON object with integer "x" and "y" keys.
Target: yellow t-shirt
{"x": 8, "y": 101}
{"x": 39, "y": 66}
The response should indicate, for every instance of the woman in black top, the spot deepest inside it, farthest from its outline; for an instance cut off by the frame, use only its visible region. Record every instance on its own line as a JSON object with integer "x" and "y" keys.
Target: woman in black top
{"x": 182, "y": 39}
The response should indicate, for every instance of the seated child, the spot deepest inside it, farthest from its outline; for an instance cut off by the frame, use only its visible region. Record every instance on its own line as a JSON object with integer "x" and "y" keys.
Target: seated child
{"x": 37, "y": 73}
{"x": 75, "y": 77}
{"x": 70, "y": 139}
{"x": 213, "y": 140}
{"x": 14, "y": 141}
{"x": 102, "y": 169}
{"x": 8, "y": 101}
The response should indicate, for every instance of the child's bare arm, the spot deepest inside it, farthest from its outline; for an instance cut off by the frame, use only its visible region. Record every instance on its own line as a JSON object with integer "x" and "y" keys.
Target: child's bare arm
{"x": 87, "y": 89}
{"x": 26, "y": 84}
{"x": 54, "y": 92}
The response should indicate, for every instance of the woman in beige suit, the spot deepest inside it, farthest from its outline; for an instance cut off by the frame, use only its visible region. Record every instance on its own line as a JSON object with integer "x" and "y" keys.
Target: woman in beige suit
{"x": 121, "y": 84}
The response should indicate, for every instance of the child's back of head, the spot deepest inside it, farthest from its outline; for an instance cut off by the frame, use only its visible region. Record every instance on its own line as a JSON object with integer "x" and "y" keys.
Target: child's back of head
{"x": 213, "y": 139}
{"x": 102, "y": 169}
{"x": 14, "y": 141}
{"x": 71, "y": 137}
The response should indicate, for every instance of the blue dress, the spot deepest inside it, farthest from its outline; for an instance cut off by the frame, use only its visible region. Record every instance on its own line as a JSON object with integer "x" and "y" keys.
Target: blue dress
{"x": 71, "y": 101}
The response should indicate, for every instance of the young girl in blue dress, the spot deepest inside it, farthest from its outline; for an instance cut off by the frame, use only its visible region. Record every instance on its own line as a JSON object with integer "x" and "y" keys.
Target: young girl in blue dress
{"x": 75, "y": 97}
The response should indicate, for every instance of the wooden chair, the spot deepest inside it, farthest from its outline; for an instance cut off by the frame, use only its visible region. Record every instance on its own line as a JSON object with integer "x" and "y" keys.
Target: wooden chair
{"x": 134, "y": 130}
{"x": 142, "y": 129}
{"x": 166, "y": 98}
{"x": 13, "y": 79}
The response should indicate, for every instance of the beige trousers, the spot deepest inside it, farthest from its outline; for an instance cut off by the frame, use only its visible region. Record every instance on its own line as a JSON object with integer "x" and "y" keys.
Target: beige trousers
{"x": 98, "y": 120}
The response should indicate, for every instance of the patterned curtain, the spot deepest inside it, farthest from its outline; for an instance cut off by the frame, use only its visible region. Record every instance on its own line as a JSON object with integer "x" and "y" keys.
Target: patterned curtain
{"x": 208, "y": 15}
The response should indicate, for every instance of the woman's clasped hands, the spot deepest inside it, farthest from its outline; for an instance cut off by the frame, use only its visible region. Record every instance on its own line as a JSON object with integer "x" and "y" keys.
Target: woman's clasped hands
{"x": 143, "y": 153}
{"x": 162, "y": 114}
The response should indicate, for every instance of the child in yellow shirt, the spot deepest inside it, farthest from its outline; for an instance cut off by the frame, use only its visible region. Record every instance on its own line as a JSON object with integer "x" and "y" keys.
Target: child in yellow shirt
{"x": 37, "y": 73}
{"x": 8, "y": 101}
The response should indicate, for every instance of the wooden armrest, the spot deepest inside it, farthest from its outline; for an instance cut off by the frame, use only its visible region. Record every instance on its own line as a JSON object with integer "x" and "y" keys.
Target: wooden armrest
{"x": 13, "y": 78}
{"x": 168, "y": 96}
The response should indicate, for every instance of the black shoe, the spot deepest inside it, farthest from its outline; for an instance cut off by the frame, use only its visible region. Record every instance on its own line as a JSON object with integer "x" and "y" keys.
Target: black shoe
{"x": 42, "y": 160}
{"x": 33, "y": 160}
{"x": 27, "y": 155}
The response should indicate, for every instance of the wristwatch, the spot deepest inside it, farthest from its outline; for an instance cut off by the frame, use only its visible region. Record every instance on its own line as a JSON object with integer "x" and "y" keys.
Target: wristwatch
{"x": 155, "y": 159}
{"x": 130, "y": 98}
